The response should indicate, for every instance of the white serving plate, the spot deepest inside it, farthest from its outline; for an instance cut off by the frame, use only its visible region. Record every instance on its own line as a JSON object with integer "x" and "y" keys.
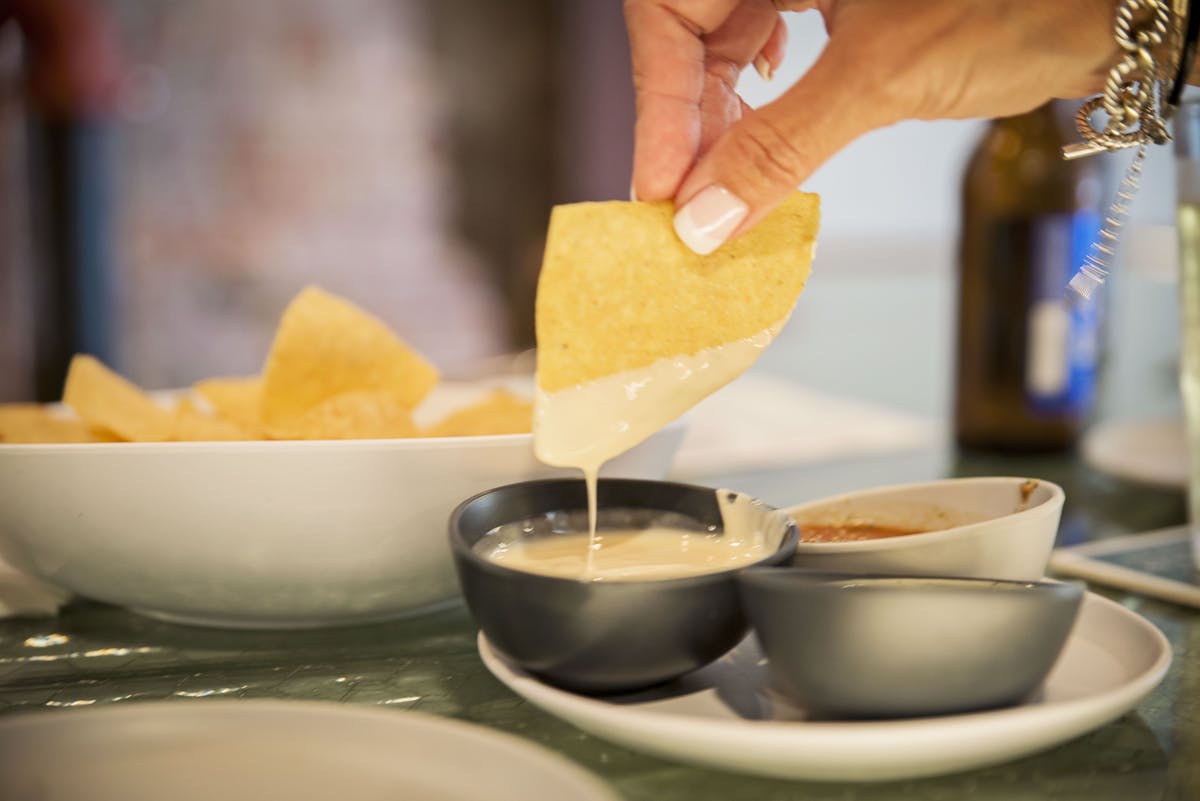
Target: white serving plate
{"x": 1152, "y": 452}
{"x": 255, "y": 750}
{"x": 726, "y": 716}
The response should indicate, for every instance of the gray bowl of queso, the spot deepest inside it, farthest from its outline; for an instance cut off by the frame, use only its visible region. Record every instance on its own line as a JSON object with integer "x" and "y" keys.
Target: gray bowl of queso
{"x": 630, "y": 628}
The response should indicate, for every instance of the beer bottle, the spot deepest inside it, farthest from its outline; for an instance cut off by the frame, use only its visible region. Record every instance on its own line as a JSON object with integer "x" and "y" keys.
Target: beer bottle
{"x": 1026, "y": 360}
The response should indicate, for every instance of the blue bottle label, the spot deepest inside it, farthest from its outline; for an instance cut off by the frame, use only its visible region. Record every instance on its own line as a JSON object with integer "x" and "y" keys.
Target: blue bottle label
{"x": 1062, "y": 336}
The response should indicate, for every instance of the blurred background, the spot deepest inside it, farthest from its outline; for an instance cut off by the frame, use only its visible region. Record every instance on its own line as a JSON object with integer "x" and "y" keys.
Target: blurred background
{"x": 405, "y": 153}
{"x": 402, "y": 153}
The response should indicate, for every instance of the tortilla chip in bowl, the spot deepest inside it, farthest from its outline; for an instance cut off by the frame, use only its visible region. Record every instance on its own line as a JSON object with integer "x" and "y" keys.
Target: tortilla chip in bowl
{"x": 314, "y": 494}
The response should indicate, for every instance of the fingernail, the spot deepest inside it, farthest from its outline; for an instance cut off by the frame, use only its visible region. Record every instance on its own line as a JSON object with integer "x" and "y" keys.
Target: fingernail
{"x": 632, "y": 192}
{"x": 762, "y": 65}
{"x": 709, "y": 218}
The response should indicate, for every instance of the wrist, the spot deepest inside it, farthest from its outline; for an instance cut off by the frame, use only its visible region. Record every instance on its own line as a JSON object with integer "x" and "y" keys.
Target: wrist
{"x": 1187, "y": 71}
{"x": 1157, "y": 40}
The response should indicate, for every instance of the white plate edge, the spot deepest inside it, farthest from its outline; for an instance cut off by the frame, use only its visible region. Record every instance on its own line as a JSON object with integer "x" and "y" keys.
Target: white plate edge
{"x": 528, "y": 752}
{"x": 961, "y": 742}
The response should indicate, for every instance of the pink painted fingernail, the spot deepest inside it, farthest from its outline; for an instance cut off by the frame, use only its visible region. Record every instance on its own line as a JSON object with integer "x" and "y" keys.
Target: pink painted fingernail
{"x": 708, "y": 219}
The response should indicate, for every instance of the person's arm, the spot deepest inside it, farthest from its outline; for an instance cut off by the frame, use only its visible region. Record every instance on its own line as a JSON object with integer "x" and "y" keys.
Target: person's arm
{"x": 886, "y": 61}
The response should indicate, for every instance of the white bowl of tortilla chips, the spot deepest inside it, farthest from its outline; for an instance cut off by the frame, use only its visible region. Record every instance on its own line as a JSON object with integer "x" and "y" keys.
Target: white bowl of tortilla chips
{"x": 238, "y": 505}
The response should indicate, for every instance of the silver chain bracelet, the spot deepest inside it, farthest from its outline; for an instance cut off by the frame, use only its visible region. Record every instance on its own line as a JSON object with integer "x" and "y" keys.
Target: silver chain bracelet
{"x": 1138, "y": 99}
{"x": 1136, "y": 92}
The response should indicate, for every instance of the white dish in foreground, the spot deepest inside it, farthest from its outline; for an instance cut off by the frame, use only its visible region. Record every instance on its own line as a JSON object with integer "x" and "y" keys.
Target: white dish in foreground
{"x": 724, "y": 716}
{"x": 1150, "y": 452}
{"x": 252, "y": 750}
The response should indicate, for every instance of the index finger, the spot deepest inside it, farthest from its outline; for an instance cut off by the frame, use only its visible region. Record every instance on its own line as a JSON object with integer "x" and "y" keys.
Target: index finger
{"x": 665, "y": 40}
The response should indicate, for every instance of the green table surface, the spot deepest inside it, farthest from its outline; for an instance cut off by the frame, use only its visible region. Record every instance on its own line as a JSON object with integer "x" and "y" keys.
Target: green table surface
{"x": 95, "y": 654}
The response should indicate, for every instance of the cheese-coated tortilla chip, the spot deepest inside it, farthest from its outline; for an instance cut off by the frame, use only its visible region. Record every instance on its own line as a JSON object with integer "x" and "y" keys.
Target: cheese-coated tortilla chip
{"x": 351, "y": 415}
{"x": 501, "y": 412}
{"x": 193, "y": 425}
{"x": 618, "y": 290}
{"x": 30, "y": 423}
{"x": 237, "y": 400}
{"x": 325, "y": 347}
{"x": 109, "y": 403}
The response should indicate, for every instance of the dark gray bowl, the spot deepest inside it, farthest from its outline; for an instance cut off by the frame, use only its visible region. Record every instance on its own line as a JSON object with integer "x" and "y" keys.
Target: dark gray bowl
{"x": 878, "y": 646}
{"x": 600, "y": 637}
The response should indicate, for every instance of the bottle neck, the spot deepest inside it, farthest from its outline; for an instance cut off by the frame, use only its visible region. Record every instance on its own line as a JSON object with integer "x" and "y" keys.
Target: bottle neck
{"x": 1008, "y": 137}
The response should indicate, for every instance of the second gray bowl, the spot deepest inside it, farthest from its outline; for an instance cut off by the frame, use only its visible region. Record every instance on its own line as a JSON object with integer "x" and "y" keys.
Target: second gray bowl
{"x": 600, "y": 637}
{"x": 864, "y": 646}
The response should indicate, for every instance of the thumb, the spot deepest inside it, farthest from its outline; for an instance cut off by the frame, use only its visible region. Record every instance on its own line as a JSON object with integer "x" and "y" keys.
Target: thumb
{"x": 767, "y": 154}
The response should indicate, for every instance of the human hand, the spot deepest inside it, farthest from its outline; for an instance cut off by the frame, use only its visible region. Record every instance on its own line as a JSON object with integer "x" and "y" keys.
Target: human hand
{"x": 726, "y": 165}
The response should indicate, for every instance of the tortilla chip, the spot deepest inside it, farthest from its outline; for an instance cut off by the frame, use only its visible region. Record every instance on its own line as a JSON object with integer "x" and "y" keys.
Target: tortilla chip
{"x": 619, "y": 291}
{"x": 193, "y": 425}
{"x": 351, "y": 415}
{"x": 326, "y": 347}
{"x": 237, "y": 400}
{"x": 107, "y": 402}
{"x": 501, "y": 412}
{"x": 28, "y": 423}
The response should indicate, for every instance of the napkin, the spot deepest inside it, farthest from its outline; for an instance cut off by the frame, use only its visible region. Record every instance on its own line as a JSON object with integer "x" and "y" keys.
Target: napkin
{"x": 24, "y": 596}
{"x": 762, "y": 421}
